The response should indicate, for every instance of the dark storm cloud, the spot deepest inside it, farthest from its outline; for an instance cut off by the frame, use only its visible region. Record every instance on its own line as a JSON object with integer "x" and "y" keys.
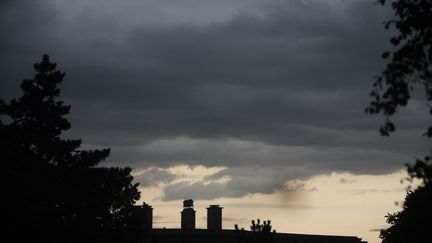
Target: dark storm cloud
{"x": 24, "y": 24}
{"x": 281, "y": 83}
{"x": 247, "y": 78}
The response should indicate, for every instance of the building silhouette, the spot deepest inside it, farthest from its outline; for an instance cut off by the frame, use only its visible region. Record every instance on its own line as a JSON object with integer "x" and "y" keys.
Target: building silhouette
{"x": 215, "y": 233}
{"x": 141, "y": 217}
{"x": 148, "y": 216}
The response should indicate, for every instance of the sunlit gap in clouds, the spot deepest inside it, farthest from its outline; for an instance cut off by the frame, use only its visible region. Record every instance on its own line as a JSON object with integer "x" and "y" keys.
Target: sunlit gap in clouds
{"x": 335, "y": 203}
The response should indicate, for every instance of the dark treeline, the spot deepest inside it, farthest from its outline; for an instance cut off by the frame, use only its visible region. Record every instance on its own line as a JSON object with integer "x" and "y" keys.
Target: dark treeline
{"x": 55, "y": 191}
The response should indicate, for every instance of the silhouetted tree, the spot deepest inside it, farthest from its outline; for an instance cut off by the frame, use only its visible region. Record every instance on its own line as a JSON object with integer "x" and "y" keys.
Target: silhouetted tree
{"x": 410, "y": 65}
{"x": 54, "y": 189}
{"x": 413, "y": 223}
{"x": 264, "y": 230}
{"x": 258, "y": 227}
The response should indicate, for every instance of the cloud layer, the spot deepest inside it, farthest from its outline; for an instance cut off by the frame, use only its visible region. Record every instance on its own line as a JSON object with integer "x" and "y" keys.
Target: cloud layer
{"x": 271, "y": 91}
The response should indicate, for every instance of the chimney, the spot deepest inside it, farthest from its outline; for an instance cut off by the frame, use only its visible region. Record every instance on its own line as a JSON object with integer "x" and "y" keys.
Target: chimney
{"x": 188, "y": 215}
{"x": 214, "y": 218}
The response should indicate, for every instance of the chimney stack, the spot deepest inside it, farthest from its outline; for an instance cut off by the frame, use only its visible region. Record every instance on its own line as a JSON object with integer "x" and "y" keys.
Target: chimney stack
{"x": 188, "y": 215}
{"x": 214, "y": 218}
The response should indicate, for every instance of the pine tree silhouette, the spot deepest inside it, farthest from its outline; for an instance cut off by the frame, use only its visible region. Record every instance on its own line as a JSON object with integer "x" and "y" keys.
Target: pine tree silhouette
{"x": 54, "y": 189}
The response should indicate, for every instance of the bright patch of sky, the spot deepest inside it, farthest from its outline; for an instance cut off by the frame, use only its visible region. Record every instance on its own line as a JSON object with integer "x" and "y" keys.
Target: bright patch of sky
{"x": 331, "y": 204}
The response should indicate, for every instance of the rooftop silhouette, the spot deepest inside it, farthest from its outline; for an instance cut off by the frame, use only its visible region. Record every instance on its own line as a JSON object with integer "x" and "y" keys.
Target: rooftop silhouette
{"x": 259, "y": 232}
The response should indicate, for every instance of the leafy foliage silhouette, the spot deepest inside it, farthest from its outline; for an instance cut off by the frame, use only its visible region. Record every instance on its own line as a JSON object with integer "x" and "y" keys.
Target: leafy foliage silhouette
{"x": 413, "y": 223}
{"x": 55, "y": 190}
{"x": 410, "y": 65}
{"x": 265, "y": 227}
{"x": 263, "y": 231}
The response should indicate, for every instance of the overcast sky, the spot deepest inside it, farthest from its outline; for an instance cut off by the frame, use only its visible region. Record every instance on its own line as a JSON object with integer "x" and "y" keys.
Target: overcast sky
{"x": 263, "y": 92}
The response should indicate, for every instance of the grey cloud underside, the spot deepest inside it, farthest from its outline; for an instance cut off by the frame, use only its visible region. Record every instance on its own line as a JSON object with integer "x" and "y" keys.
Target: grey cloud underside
{"x": 153, "y": 176}
{"x": 242, "y": 181}
{"x": 281, "y": 85}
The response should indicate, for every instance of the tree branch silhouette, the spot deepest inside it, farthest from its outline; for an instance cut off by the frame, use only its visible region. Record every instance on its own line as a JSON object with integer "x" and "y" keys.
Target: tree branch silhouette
{"x": 410, "y": 66}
